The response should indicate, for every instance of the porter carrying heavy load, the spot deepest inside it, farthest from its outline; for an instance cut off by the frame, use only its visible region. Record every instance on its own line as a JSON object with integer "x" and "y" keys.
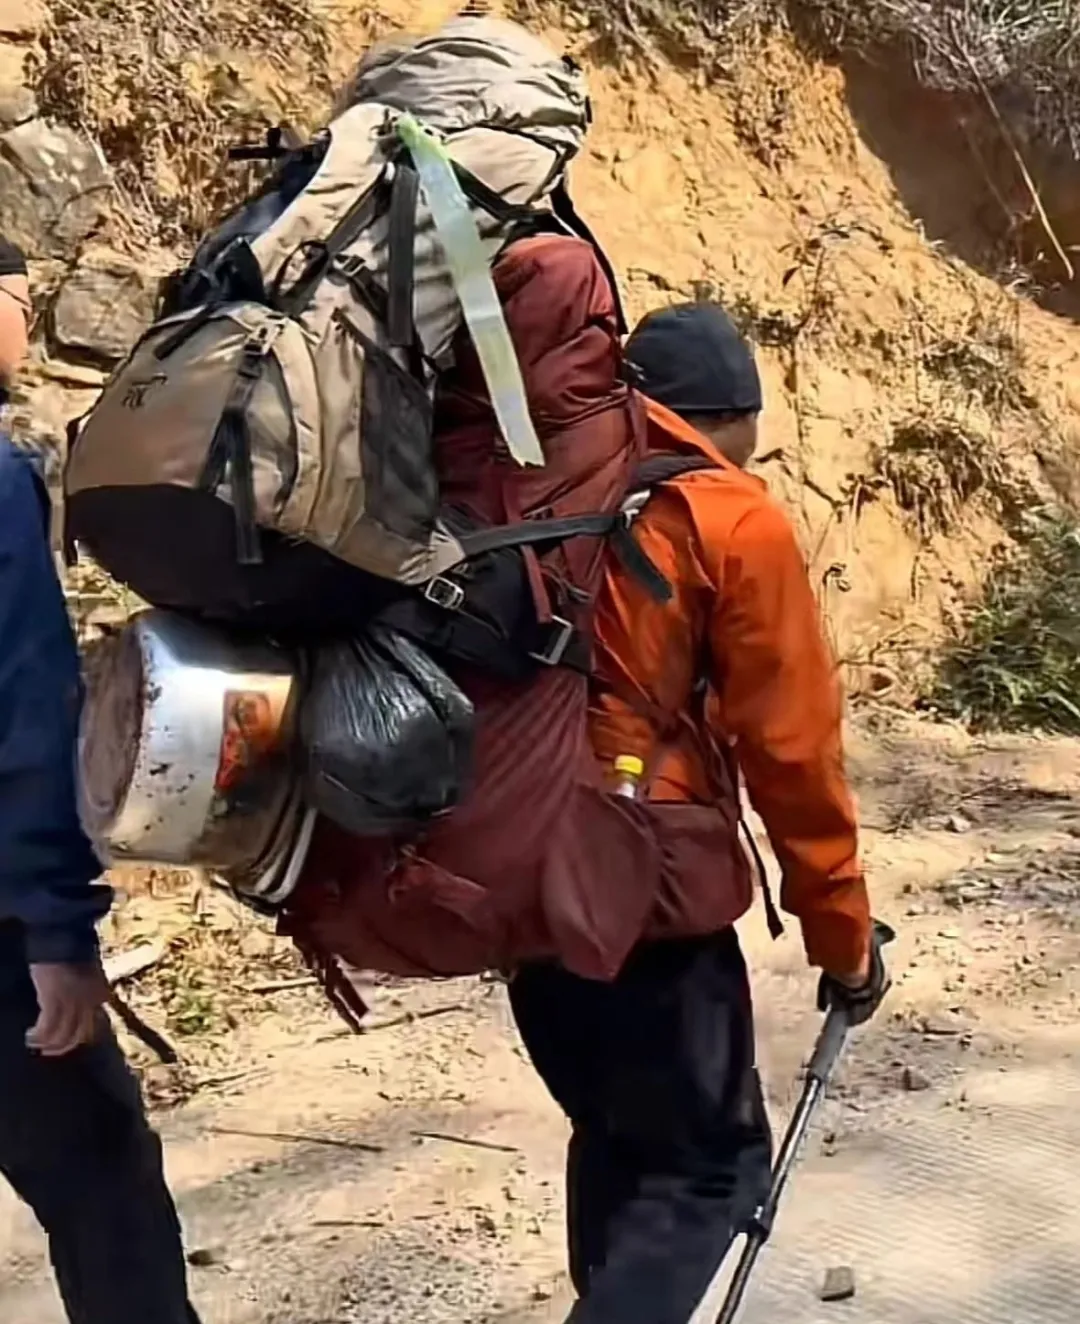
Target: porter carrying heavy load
{"x": 419, "y": 509}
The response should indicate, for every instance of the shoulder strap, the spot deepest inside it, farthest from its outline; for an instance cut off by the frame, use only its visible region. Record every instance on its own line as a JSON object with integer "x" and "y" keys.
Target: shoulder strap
{"x": 659, "y": 469}
{"x": 480, "y": 195}
{"x": 532, "y": 533}
{"x": 535, "y": 533}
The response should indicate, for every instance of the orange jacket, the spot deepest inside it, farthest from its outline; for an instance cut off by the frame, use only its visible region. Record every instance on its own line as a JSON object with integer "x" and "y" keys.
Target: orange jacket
{"x": 744, "y": 619}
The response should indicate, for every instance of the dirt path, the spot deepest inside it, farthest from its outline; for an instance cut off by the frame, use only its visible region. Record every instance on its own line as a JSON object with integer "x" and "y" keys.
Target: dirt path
{"x": 415, "y": 1172}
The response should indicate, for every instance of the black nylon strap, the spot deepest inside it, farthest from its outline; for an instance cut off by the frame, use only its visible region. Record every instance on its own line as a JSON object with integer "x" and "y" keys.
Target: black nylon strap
{"x": 567, "y": 213}
{"x": 372, "y": 294}
{"x": 663, "y": 468}
{"x": 404, "y": 195}
{"x": 325, "y": 252}
{"x": 636, "y": 562}
{"x": 530, "y": 532}
{"x": 242, "y": 481}
{"x": 469, "y": 638}
{"x": 484, "y": 197}
{"x": 625, "y": 547}
{"x": 366, "y": 286}
{"x": 231, "y": 450}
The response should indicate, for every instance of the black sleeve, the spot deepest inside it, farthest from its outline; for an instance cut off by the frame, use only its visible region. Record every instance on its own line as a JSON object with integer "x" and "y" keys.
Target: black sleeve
{"x": 47, "y": 866}
{"x": 12, "y": 262}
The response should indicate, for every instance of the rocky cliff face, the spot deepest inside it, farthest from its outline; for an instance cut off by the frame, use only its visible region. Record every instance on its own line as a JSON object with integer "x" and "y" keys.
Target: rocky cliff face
{"x": 915, "y": 404}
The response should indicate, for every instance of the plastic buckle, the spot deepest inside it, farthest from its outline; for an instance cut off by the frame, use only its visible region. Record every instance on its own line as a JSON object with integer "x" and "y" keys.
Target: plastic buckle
{"x": 632, "y": 507}
{"x": 444, "y": 593}
{"x": 562, "y": 633}
{"x": 349, "y": 265}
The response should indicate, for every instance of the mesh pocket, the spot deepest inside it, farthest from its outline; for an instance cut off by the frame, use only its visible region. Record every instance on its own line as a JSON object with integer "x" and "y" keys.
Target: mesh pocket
{"x": 400, "y": 481}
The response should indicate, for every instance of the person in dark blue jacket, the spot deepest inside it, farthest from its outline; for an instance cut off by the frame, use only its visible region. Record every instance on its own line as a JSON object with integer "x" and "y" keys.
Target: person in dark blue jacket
{"x": 74, "y": 1139}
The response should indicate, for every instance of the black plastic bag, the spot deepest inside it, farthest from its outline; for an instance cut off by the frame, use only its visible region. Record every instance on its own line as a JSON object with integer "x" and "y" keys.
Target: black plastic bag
{"x": 386, "y": 736}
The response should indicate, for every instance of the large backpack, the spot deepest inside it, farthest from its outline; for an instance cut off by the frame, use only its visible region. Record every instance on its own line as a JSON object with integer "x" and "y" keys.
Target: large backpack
{"x": 264, "y": 457}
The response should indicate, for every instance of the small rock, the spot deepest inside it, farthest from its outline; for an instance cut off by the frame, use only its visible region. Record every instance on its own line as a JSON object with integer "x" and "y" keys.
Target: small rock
{"x": 914, "y": 1081}
{"x": 256, "y": 945}
{"x": 17, "y": 102}
{"x": 958, "y": 823}
{"x": 943, "y": 1027}
{"x": 53, "y": 186}
{"x": 204, "y": 1257}
{"x": 839, "y": 1284}
{"x": 103, "y": 309}
{"x": 73, "y": 374}
{"x": 22, "y": 19}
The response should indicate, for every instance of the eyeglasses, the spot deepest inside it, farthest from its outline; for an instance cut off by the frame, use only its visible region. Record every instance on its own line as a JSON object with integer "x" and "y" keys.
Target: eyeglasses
{"x": 26, "y": 307}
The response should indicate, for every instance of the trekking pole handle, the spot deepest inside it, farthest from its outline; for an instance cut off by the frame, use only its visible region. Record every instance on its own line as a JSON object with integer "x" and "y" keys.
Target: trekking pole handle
{"x": 829, "y": 1046}
{"x": 838, "y": 1018}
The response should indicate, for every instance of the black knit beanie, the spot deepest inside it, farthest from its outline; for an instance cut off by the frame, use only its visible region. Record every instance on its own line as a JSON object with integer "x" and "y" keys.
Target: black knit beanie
{"x": 692, "y": 359}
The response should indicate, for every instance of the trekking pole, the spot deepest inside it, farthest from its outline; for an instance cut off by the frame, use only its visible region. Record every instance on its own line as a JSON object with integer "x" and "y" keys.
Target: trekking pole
{"x": 826, "y": 1053}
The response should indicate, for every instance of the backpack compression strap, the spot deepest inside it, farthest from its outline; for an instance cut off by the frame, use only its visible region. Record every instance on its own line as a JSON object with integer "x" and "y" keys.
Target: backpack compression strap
{"x": 535, "y": 533}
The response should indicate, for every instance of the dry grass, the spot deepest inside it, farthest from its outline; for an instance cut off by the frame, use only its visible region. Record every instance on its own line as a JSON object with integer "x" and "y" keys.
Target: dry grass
{"x": 709, "y": 31}
{"x": 1025, "y": 54}
{"x": 167, "y": 86}
{"x": 218, "y": 956}
{"x": 936, "y": 465}
{"x": 980, "y": 360}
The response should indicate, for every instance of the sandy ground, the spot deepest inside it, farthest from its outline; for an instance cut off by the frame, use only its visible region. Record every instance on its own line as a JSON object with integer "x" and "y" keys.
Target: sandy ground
{"x": 415, "y": 1172}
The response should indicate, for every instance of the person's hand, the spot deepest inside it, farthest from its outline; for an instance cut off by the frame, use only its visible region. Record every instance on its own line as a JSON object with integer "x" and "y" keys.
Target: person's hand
{"x": 70, "y": 1001}
{"x": 859, "y": 993}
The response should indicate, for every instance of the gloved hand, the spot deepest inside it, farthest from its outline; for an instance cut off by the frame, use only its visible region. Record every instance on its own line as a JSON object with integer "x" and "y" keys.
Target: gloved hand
{"x": 862, "y": 1001}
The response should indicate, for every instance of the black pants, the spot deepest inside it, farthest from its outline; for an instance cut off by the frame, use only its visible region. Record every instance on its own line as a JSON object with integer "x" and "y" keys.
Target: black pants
{"x": 670, "y": 1147}
{"x": 76, "y": 1146}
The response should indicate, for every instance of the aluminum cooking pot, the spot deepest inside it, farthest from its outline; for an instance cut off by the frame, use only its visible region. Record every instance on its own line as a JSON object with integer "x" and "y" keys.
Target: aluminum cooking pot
{"x": 186, "y": 752}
